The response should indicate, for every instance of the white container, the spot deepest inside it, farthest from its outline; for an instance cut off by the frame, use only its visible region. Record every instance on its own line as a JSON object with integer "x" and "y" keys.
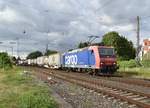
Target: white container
{"x": 54, "y": 61}
{"x": 40, "y": 60}
{"x": 45, "y": 60}
{"x": 29, "y": 61}
{"x": 34, "y": 61}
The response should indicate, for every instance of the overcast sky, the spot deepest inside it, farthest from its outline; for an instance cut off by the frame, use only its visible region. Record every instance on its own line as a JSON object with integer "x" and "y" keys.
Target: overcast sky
{"x": 64, "y": 23}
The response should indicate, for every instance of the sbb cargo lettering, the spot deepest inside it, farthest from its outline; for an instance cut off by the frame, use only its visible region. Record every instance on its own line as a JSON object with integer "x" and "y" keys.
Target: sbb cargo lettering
{"x": 71, "y": 59}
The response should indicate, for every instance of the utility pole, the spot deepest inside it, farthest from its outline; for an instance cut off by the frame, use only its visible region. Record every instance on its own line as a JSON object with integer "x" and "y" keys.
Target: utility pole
{"x": 47, "y": 42}
{"x": 12, "y": 47}
{"x": 12, "y": 51}
{"x": 47, "y": 31}
{"x": 138, "y": 39}
{"x": 17, "y": 46}
{"x": 46, "y": 47}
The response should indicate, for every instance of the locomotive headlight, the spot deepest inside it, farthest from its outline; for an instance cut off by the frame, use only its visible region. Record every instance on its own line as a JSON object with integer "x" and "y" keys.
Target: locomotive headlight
{"x": 102, "y": 63}
{"x": 114, "y": 63}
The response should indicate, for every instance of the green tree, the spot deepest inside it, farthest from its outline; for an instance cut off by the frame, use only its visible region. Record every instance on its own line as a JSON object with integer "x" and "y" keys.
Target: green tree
{"x": 5, "y": 61}
{"x": 14, "y": 60}
{"x": 49, "y": 52}
{"x": 110, "y": 38}
{"x": 124, "y": 48}
{"x": 83, "y": 44}
{"x": 70, "y": 49}
{"x": 34, "y": 54}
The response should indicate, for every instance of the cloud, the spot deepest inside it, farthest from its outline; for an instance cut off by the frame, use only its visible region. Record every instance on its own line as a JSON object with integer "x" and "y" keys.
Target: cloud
{"x": 64, "y": 23}
{"x": 8, "y": 15}
{"x": 105, "y": 19}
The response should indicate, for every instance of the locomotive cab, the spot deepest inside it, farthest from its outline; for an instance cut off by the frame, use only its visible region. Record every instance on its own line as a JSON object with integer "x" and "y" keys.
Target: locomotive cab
{"x": 108, "y": 61}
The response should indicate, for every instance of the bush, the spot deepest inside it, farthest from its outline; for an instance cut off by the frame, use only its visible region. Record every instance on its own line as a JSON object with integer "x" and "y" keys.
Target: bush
{"x": 127, "y": 64}
{"x": 146, "y": 63}
{"x": 5, "y": 61}
{"x": 146, "y": 60}
{"x": 132, "y": 63}
{"x": 146, "y": 56}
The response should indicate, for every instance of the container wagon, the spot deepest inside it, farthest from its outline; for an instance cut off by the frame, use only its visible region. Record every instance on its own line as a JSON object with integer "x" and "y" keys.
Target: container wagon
{"x": 54, "y": 61}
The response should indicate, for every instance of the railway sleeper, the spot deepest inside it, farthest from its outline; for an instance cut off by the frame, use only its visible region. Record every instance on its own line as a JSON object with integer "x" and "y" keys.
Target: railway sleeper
{"x": 145, "y": 101}
{"x": 132, "y": 106}
{"x": 124, "y": 103}
{"x": 133, "y": 96}
{"x": 128, "y": 94}
{"x": 140, "y": 98}
{"x": 125, "y": 92}
{"x": 110, "y": 98}
{"x": 116, "y": 92}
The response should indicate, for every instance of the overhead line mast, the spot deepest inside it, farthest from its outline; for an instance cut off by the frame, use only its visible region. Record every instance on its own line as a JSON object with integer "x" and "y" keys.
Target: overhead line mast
{"x": 138, "y": 38}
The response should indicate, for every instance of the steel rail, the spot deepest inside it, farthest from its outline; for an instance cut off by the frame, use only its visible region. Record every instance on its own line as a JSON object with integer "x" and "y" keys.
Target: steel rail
{"x": 102, "y": 88}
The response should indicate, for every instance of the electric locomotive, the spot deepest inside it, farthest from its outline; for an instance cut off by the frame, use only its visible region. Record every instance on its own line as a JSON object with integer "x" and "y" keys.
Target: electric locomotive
{"x": 96, "y": 59}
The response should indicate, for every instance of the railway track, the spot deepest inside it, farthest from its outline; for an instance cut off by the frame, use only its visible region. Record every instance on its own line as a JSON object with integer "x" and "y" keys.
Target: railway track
{"x": 133, "y": 81}
{"x": 142, "y": 100}
{"x": 130, "y": 81}
{"x": 125, "y": 80}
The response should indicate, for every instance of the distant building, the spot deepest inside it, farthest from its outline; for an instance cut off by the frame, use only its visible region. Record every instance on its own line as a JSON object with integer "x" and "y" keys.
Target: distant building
{"x": 146, "y": 46}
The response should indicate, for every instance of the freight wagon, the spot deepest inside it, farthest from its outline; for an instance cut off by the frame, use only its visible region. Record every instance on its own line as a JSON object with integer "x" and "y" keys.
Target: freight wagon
{"x": 34, "y": 61}
{"x": 29, "y": 61}
{"x": 40, "y": 61}
{"x": 45, "y": 61}
{"x": 54, "y": 61}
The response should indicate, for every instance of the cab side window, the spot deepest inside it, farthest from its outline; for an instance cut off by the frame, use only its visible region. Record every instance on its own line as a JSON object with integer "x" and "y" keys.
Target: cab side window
{"x": 92, "y": 52}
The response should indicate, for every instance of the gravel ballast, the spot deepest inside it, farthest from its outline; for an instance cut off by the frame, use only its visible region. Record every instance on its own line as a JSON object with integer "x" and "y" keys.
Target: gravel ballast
{"x": 80, "y": 97}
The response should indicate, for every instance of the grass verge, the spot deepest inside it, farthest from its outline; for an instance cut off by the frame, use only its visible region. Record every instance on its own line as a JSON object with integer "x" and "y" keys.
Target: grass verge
{"x": 20, "y": 91}
{"x": 139, "y": 72}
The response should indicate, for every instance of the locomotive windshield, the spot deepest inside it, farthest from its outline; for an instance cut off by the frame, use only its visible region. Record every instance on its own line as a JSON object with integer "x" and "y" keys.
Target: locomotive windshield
{"x": 106, "y": 51}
